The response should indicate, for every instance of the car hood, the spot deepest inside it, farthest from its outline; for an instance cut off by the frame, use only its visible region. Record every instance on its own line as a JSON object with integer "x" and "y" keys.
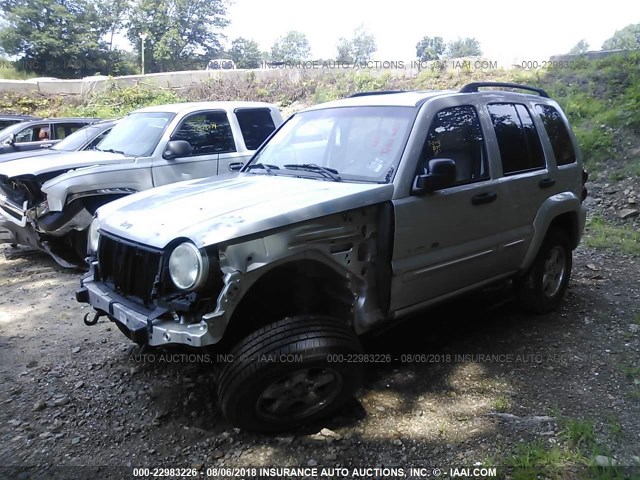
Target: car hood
{"x": 8, "y": 157}
{"x": 214, "y": 210}
{"x": 64, "y": 161}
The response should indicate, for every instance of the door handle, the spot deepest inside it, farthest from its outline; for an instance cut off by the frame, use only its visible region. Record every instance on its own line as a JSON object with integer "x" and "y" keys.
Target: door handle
{"x": 546, "y": 183}
{"x": 482, "y": 198}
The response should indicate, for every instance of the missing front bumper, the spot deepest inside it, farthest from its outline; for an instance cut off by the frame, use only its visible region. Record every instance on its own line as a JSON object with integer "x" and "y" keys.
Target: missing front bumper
{"x": 137, "y": 324}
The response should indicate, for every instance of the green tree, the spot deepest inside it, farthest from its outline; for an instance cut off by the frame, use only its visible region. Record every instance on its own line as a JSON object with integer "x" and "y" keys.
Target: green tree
{"x": 345, "y": 51}
{"x": 358, "y": 49}
{"x": 463, "y": 47}
{"x": 245, "y": 53}
{"x": 180, "y": 34}
{"x": 291, "y": 48}
{"x": 112, "y": 14}
{"x": 60, "y": 39}
{"x": 430, "y": 48}
{"x": 579, "y": 48}
{"x": 626, "y": 39}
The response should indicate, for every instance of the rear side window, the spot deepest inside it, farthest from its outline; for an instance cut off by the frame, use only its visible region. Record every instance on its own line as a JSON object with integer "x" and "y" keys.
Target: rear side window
{"x": 558, "y": 134}
{"x": 256, "y": 125}
{"x": 456, "y": 134}
{"x": 63, "y": 130}
{"x": 520, "y": 147}
{"x": 207, "y": 132}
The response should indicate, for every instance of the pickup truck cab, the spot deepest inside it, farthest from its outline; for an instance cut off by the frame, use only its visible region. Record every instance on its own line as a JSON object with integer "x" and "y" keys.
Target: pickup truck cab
{"x": 353, "y": 215}
{"x": 48, "y": 203}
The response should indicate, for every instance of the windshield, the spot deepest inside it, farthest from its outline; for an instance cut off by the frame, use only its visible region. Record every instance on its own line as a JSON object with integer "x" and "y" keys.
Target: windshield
{"x": 77, "y": 140}
{"x": 354, "y": 143}
{"x": 137, "y": 134}
{"x": 6, "y": 123}
{"x": 5, "y": 132}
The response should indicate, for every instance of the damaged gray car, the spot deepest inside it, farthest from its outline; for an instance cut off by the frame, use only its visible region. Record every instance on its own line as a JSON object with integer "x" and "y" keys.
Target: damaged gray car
{"x": 48, "y": 203}
{"x": 355, "y": 214}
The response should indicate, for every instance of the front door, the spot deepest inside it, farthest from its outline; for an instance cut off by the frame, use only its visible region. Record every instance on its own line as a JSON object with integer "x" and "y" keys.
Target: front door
{"x": 446, "y": 240}
{"x": 209, "y": 135}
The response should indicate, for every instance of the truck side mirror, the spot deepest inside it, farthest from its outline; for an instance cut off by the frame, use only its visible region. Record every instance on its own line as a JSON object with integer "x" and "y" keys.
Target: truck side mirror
{"x": 11, "y": 139}
{"x": 442, "y": 174}
{"x": 176, "y": 149}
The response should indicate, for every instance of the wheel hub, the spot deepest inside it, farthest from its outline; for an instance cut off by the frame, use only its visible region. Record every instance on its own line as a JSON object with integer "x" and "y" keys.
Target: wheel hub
{"x": 300, "y": 393}
{"x": 555, "y": 267}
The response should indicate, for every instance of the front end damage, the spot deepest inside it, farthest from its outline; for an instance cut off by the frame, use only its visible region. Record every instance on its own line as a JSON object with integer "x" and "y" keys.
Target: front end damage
{"x": 25, "y": 219}
{"x": 328, "y": 264}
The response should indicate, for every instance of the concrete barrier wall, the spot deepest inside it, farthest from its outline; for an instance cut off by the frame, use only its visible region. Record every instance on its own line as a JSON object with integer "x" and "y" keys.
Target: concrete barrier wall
{"x": 294, "y": 73}
{"x": 186, "y": 78}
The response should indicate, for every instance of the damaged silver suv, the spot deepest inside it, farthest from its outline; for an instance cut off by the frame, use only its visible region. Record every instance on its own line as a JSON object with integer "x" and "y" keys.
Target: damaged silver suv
{"x": 353, "y": 215}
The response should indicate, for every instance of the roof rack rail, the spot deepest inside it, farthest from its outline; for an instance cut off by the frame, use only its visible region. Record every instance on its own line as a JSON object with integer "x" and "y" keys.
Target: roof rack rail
{"x": 379, "y": 92}
{"x": 473, "y": 87}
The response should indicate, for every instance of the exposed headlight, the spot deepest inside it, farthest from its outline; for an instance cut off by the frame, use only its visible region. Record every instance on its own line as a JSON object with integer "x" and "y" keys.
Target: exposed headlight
{"x": 93, "y": 236}
{"x": 187, "y": 267}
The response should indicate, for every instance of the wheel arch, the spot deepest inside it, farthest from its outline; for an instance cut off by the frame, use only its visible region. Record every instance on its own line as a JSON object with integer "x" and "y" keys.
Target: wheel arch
{"x": 295, "y": 287}
{"x": 564, "y": 212}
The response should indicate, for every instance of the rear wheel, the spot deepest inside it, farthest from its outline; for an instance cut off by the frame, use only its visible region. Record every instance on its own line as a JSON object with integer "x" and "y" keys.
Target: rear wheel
{"x": 290, "y": 373}
{"x": 542, "y": 288}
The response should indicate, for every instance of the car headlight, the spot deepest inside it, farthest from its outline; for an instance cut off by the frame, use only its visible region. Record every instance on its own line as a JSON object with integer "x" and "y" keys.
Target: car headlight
{"x": 187, "y": 267}
{"x": 93, "y": 236}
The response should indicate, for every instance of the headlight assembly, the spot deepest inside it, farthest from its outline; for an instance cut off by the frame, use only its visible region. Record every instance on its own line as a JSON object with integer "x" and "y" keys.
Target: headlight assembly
{"x": 187, "y": 267}
{"x": 93, "y": 236}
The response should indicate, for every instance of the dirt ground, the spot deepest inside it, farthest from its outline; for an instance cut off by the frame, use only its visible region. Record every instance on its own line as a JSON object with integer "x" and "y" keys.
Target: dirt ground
{"x": 473, "y": 383}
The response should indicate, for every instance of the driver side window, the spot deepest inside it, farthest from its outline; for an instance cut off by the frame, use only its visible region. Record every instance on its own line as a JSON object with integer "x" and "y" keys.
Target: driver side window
{"x": 31, "y": 134}
{"x": 456, "y": 134}
{"x": 207, "y": 132}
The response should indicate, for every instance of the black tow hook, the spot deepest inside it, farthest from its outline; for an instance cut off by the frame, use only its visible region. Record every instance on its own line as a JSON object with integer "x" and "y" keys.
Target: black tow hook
{"x": 94, "y": 320}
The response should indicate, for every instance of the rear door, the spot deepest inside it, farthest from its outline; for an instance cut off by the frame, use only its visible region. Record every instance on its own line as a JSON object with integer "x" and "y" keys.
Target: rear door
{"x": 63, "y": 130}
{"x": 525, "y": 179}
{"x": 256, "y": 124}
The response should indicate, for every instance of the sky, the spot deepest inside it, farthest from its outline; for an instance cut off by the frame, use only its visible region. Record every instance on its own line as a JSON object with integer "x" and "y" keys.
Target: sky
{"x": 507, "y": 31}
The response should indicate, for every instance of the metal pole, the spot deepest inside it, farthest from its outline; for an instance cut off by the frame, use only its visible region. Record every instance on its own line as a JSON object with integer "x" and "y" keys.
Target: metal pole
{"x": 143, "y": 37}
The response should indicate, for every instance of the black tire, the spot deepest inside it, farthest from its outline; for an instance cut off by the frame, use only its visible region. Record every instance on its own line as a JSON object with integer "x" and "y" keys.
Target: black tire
{"x": 260, "y": 391}
{"x": 542, "y": 288}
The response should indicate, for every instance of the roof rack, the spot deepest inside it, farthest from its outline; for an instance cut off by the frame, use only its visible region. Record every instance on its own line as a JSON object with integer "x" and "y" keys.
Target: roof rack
{"x": 379, "y": 92}
{"x": 473, "y": 87}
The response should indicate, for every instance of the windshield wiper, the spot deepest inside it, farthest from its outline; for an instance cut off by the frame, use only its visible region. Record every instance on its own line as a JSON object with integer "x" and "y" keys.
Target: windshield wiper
{"x": 264, "y": 166}
{"x": 312, "y": 167}
{"x": 111, "y": 150}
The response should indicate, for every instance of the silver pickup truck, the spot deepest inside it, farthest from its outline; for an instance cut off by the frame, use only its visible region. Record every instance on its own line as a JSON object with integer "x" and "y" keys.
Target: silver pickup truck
{"x": 48, "y": 203}
{"x": 353, "y": 215}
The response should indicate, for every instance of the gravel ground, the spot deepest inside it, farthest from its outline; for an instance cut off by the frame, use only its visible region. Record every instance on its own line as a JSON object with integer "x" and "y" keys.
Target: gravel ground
{"x": 469, "y": 382}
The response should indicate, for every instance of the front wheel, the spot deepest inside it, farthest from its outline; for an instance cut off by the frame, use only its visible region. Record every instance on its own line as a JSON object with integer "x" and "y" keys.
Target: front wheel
{"x": 289, "y": 373}
{"x": 542, "y": 288}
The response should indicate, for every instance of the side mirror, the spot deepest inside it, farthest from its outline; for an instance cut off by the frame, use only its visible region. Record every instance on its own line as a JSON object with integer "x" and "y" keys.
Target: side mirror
{"x": 176, "y": 149}
{"x": 442, "y": 174}
{"x": 11, "y": 139}
{"x": 235, "y": 166}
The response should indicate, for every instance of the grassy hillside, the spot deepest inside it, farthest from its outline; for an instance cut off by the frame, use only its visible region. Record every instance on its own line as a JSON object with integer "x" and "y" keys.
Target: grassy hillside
{"x": 601, "y": 98}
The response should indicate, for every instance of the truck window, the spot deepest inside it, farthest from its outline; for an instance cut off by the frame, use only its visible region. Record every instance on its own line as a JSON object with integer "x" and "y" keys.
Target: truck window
{"x": 256, "y": 125}
{"x": 63, "y": 130}
{"x": 207, "y": 132}
{"x": 520, "y": 147}
{"x": 558, "y": 134}
{"x": 456, "y": 134}
{"x": 31, "y": 134}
